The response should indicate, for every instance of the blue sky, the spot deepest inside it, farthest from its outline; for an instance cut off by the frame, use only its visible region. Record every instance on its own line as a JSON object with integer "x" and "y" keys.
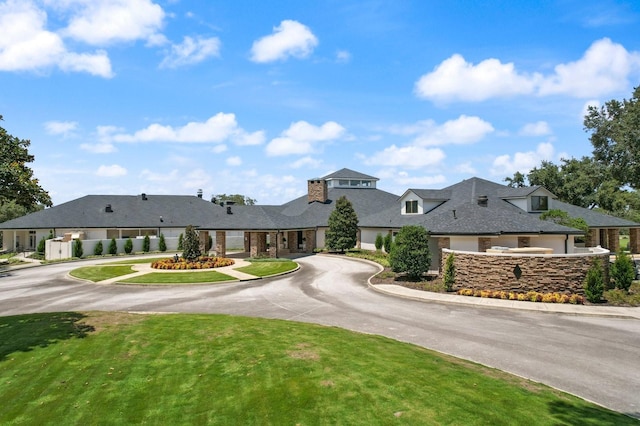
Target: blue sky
{"x": 168, "y": 97}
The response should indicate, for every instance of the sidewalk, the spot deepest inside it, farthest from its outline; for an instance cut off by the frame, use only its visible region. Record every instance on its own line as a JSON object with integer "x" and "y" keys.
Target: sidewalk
{"x": 564, "y": 308}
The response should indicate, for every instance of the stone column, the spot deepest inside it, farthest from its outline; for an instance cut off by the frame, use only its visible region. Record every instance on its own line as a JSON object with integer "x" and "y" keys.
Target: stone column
{"x": 359, "y": 239}
{"x": 634, "y": 240}
{"x": 221, "y": 243}
{"x": 310, "y": 243}
{"x": 443, "y": 243}
{"x": 203, "y": 237}
{"x": 247, "y": 242}
{"x": 273, "y": 244}
{"x": 591, "y": 237}
{"x": 613, "y": 237}
{"x": 484, "y": 244}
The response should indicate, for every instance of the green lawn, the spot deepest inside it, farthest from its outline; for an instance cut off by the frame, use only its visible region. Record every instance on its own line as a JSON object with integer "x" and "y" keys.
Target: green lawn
{"x": 179, "y": 278}
{"x": 266, "y": 268}
{"x": 100, "y": 273}
{"x": 117, "y": 368}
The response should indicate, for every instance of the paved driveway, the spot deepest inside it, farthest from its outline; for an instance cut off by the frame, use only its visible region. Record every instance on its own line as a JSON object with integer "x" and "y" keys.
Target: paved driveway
{"x": 595, "y": 358}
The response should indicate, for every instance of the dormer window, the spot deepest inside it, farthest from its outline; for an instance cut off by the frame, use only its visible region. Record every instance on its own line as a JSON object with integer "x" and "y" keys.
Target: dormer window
{"x": 539, "y": 203}
{"x": 411, "y": 206}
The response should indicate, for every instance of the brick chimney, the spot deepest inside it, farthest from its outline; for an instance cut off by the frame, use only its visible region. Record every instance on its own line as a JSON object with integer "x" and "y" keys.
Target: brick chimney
{"x": 317, "y": 191}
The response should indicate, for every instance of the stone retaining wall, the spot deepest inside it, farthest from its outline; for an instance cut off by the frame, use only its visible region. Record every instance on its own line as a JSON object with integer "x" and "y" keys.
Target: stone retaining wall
{"x": 541, "y": 273}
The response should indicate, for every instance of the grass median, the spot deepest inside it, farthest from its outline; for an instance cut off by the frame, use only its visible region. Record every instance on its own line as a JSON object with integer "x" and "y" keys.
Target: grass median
{"x": 117, "y": 368}
{"x": 268, "y": 267}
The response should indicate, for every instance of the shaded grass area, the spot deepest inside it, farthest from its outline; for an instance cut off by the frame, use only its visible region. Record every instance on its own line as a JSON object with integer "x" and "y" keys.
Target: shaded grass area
{"x": 100, "y": 273}
{"x": 115, "y": 368}
{"x": 179, "y": 278}
{"x": 266, "y": 267}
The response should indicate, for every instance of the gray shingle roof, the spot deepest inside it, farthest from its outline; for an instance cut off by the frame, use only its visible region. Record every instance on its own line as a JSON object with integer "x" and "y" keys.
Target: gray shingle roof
{"x": 348, "y": 174}
{"x": 375, "y": 209}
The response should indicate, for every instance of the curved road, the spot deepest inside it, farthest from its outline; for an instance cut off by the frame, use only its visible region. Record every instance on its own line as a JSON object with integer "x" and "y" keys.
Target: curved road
{"x": 595, "y": 358}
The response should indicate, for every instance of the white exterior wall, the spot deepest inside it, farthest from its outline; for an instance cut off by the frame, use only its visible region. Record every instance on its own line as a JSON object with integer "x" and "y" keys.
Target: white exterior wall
{"x": 320, "y": 237}
{"x": 521, "y": 203}
{"x": 368, "y": 237}
{"x": 463, "y": 243}
{"x": 411, "y": 196}
{"x": 556, "y": 242}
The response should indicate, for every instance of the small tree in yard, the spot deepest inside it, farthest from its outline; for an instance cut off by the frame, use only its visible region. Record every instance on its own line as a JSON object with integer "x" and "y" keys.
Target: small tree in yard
{"x": 379, "y": 242}
{"x": 191, "y": 244}
{"x": 146, "y": 244}
{"x": 622, "y": 271}
{"x": 410, "y": 252}
{"x": 594, "y": 282}
{"x": 97, "y": 249}
{"x": 343, "y": 226}
{"x": 162, "y": 244}
{"x": 128, "y": 246}
{"x": 113, "y": 247}
{"x": 181, "y": 242}
{"x": 388, "y": 242}
{"x": 449, "y": 273}
{"x": 41, "y": 245}
{"x": 77, "y": 248}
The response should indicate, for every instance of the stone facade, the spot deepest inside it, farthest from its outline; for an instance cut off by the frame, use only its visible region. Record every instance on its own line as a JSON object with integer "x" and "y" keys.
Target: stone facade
{"x": 524, "y": 242}
{"x": 221, "y": 243}
{"x": 317, "y": 190}
{"x": 634, "y": 240}
{"x": 544, "y": 274}
{"x": 484, "y": 244}
{"x": 613, "y": 237}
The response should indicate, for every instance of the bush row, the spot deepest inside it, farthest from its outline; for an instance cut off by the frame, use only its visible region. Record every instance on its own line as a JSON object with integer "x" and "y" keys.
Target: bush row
{"x": 530, "y": 296}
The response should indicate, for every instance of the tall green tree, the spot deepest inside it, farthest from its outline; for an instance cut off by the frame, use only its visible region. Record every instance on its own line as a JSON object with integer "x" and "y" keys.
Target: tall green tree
{"x": 343, "y": 226}
{"x": 17, "y": 183}
{"x": 517, "y": 181}
{"x": 410, "y": 252}
{"x": 615, "y": 136}
{"x": 191, "y": 244}
{"x": 239, "y": 199}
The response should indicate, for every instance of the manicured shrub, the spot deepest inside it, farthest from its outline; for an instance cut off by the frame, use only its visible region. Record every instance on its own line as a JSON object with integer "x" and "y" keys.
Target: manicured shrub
{"x": 622, "y": 271}
{"x": 594, "y": 282}
{"x": 410, "y": 252}
{"x": 113, "y": 247}
{"x": 97, "y": 249}
{"x": 388, "y": 242}
{"x": 181, "y": 242}
{"x": 77, "y": 248}
{"x": 146, "y": 244}
{"x": 449, "y": 273}
{"x": 41, "y": 245}
{"x": 379, "y": 242}
{"x": 128, "y": 246}
{"x": 343, "y": 226}
{"x": 162, "y": 244}
{"x": 191, "y": 244}
{"x": 202, "y": 262}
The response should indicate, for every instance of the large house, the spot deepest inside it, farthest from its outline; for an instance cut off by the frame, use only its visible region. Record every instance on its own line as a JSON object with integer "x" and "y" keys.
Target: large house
{"x": 474, "y": 215}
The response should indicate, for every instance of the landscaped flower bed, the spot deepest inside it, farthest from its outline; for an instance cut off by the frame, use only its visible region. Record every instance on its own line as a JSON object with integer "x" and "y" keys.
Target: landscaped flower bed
{"x": 202, "y": 262}
{"x": 530, "y": 296}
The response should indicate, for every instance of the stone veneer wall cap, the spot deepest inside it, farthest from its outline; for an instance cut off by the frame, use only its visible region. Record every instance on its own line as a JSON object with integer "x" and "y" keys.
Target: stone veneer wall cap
{"x": 597, "y": 251}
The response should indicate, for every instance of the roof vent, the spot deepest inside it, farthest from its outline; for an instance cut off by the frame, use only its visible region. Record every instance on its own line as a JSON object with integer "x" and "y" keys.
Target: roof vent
{"x": 483, "y": 200}
{"x": 199, "y": 193}
{"x": 229, "y": 210}
{"x": 108, "y": 209}
{"x": 144, "y": 197}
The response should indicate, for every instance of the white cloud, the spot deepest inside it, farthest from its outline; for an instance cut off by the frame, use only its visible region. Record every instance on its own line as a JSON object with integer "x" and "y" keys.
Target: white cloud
{"x": 191, "y": 51}
{"x": 111, "y": 171}
{"x": 463, "y": 130}
{"x": 219, "y": 149}
{"x": 523, "y": 162}
{"x": 343, "y": 56}
{"x": 289, "y": 39}
{"x": 60, "y": 127}
{"x": 26, "y": 45}
{"x": 307, "y": 162}
{"x": 243, "y": 138}
{"x": 98, "y": 148}
{"x": 585, "y": 108}
{"x": 466, "y": 168}
{"x": 150, "y": 176}
{"x": 196, "y": 179}
{"x": 408, "y": 157}
{"x": 303, "y": 138}
{"x": 234, "y": 161}
{"x": 218, "y": 128}
{"x": 457, "y": 79}
{"x": 404, "y": 179}
{"x": 103, "y": 22}
{"x": 539, "y": 128}
{"x": 604, "y": 68}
